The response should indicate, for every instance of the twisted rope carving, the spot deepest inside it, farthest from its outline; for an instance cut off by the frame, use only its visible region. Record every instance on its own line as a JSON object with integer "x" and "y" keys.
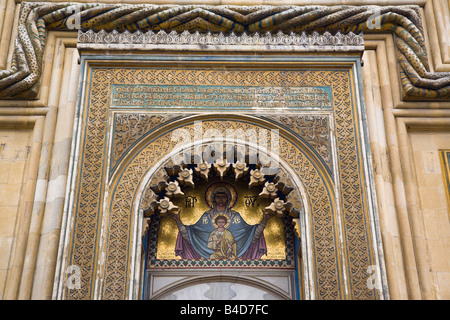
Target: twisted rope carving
{"x": 21, "y": 80}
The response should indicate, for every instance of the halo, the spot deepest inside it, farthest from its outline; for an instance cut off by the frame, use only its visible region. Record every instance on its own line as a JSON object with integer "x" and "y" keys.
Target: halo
{"x": 222, "y": 215}
{"x": 214, "y": 185}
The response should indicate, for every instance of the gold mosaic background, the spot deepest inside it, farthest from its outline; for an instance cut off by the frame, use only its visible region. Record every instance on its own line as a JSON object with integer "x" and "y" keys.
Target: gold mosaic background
{"x": 273, "y": 233}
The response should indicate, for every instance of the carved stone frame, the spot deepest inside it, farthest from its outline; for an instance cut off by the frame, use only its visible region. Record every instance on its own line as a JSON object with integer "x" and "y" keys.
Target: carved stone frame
{"x": 95, "y": 272}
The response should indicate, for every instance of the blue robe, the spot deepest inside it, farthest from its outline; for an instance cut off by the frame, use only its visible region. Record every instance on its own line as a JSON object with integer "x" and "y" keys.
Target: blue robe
{"x": 199, "y": 233}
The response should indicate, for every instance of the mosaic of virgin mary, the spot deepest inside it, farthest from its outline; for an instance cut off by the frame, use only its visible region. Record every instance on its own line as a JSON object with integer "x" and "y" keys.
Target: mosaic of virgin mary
{"x": 230, "y": 235}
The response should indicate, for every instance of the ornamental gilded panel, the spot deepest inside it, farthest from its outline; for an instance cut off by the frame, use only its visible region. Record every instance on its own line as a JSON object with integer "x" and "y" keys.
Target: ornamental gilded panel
{"x": 106, "y": 187}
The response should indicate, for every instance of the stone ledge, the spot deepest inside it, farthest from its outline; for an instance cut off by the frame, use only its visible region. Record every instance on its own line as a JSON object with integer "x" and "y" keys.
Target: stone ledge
{"x": 279, "y": 41}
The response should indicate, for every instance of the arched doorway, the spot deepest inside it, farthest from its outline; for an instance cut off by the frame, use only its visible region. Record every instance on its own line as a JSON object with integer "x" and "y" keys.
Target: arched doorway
{"x": 218, "y": 286}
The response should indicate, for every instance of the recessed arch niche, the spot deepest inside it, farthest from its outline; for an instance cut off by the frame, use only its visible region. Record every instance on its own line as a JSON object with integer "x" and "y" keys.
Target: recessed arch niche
{"x": 301, "y": 168}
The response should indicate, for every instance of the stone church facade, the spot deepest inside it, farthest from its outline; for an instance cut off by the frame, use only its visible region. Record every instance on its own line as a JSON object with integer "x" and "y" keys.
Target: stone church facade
{"x": 225, "y": 150}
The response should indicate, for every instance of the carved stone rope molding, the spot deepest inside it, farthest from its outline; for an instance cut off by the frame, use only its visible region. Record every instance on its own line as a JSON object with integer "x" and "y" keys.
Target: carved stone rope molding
{"x": 22, "y": 79}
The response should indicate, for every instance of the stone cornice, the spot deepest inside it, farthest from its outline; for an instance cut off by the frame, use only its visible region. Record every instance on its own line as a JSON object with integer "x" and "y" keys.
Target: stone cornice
{"x": 418, "y": 82}
{"x": 150, "y": 40}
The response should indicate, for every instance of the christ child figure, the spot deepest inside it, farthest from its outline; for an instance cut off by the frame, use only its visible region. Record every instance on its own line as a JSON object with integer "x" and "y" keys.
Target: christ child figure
{"x": 222, "y": 241}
